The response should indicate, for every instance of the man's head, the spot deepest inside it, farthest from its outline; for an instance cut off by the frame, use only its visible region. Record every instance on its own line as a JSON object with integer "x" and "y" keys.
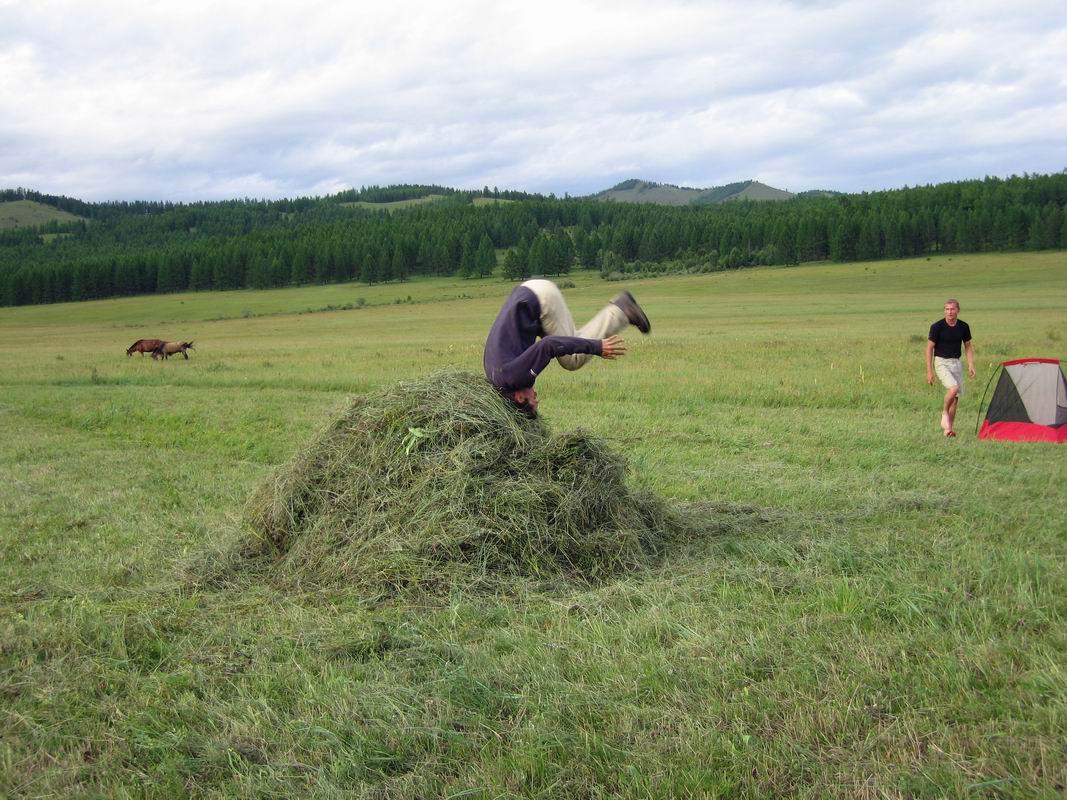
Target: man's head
{"x": 952, "y": 310}
{"x": 525, "y": 400}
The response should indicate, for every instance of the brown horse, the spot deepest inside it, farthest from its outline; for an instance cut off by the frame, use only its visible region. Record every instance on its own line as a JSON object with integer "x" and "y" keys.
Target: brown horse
{"x": 143, "y": 346}
{"x": 167, "y": 349}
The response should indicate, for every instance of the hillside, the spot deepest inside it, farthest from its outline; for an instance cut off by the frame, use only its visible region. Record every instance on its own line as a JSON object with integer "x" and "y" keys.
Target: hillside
{"x": 393, "y": 205}
{"x": 21, "y": 213}
{"x": 639, "y": 191}
{"x": 754, "y": 190}
{"x": 819, "y": 193}
{"x": 155, "y": 248}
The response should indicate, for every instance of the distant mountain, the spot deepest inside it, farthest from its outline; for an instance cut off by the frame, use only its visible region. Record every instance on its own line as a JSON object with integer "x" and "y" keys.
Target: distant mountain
{"x": 639, "y": 191}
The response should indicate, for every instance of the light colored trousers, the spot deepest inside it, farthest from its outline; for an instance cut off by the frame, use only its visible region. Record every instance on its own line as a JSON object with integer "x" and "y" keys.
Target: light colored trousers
{"x": 950, "y": 372}
{"x": 556, "y": 320}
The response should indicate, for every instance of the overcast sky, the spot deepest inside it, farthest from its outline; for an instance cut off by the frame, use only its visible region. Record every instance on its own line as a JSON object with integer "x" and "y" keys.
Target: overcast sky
{"x": 187, "y": 100}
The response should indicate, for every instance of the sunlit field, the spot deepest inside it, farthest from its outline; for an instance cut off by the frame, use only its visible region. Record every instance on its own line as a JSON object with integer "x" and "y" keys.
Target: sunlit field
{"x": 885, "y": 617}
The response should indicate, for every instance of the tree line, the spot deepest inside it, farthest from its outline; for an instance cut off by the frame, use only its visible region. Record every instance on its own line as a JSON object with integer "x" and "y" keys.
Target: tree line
{"x": 142, "y": 248}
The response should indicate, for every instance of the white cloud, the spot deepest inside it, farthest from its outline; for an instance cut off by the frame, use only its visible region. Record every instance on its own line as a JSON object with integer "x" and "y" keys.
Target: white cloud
{"x": 198, "y": 99}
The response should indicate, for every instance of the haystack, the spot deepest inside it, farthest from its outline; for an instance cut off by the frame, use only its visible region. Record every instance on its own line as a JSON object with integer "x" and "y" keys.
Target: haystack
{"x": 440, "y": 480}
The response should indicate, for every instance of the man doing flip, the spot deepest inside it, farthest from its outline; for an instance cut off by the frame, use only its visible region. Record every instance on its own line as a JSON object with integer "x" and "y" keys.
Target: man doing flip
{"x": 943, "y": 359}
{"x": 515, "y": 355}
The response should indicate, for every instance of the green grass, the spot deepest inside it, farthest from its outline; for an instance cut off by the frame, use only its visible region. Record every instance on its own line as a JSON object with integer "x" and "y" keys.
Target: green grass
{"x": 417, "y": 201}
{"x": 18, "y": 213}
{"x": 885, "y": 617}
{"x": 395, "y": 204}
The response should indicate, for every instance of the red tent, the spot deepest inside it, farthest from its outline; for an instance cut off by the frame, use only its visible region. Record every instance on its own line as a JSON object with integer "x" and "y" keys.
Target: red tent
{"x": 1029, "y": 403}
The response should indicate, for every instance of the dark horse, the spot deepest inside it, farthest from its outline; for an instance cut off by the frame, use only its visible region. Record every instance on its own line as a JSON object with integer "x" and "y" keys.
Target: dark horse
{"x": 143, "y": 346}
{"x": 167, "y": 349}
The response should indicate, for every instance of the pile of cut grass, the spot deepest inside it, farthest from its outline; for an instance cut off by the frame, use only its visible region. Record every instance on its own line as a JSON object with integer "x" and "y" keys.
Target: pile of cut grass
{"x": 440, "y": 481}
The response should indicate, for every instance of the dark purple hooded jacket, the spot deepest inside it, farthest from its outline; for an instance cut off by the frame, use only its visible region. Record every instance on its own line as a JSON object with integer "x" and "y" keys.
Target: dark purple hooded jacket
{"x": 513, "y": 355}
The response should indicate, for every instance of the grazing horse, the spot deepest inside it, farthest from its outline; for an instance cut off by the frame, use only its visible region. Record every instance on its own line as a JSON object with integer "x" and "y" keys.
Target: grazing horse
{"x": 143, "y": 346}
{"x": 167, "y": 349}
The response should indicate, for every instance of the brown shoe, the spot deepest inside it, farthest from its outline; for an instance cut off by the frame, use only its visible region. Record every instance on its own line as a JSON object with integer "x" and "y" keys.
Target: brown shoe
{"x": 633, "y": 312}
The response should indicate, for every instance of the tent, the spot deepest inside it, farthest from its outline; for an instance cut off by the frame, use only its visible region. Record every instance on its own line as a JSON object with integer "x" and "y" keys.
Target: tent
{"x": 1029, "y": 403}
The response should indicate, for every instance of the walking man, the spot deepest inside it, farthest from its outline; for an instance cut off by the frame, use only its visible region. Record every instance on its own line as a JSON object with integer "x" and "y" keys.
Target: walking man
{"x": 947, "y": 337}
{"x": 514, "y": 355}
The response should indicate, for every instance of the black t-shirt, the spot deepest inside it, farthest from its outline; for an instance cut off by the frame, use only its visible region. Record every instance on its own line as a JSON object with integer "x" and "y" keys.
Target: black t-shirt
{"x": 948, "y": 339}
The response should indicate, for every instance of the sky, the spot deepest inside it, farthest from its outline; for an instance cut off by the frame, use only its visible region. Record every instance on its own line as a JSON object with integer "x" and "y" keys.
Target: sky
{"x": 190, "y": 100}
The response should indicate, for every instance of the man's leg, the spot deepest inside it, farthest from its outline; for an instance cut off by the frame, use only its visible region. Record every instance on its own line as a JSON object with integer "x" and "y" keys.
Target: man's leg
{"x": 556, "y": 320}
{"x": 948, "y": 415}
{"x": 950, "y": 372}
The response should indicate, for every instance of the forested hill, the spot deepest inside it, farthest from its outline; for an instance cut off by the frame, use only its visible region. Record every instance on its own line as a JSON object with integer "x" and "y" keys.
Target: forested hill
{"x": 137, "y": 248}
{"x": 639, "y": 191}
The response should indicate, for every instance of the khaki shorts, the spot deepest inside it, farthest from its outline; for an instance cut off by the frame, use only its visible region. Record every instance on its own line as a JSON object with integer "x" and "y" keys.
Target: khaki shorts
{"x": 949, "y": 371}
{"x": 556, "y": 320}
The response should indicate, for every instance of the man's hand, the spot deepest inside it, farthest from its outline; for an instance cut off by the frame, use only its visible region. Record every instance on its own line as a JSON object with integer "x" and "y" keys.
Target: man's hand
{"x": 929, "y": 377}
{"x": 970, "y": 370}
{"x": 612, "y": 347}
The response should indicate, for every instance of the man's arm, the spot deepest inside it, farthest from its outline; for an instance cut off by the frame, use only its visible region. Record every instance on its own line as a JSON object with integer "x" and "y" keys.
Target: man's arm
{"x": 969, "y": 350}
{"x": 524, "y": 368}
{"x": 930, "y": 361}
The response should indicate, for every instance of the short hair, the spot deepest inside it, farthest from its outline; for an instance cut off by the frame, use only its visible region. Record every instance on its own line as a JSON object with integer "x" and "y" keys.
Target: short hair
{"x": 522, "y": 407}
{"x": 952, "y": 301}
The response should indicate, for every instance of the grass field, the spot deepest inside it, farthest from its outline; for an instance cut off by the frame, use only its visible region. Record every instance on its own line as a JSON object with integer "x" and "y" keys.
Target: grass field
{"x": 17, "y": 213}
{"x": 395, "y": 204}
{"x": 417, "y": 201}
{"x": 885, "y": 618}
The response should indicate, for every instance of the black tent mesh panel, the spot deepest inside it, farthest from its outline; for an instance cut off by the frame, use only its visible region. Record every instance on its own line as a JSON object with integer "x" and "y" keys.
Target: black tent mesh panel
{"x": 1006, "y": 405}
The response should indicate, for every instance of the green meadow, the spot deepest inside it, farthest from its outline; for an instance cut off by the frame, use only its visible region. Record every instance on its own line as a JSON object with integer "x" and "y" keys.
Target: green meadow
{"x": 395, "y": 204}
{"x": 883, "y": 617}
{"x": 17, "y": 213}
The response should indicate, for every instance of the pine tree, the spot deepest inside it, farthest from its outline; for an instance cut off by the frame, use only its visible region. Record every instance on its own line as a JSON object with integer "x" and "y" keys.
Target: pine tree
{"x": 468, "y": 266}
{"x": 562, "y": 252}
{"x": 517, "y": 261}
{"x": 541, "y": 261}
{"x": 485, "y": 257}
